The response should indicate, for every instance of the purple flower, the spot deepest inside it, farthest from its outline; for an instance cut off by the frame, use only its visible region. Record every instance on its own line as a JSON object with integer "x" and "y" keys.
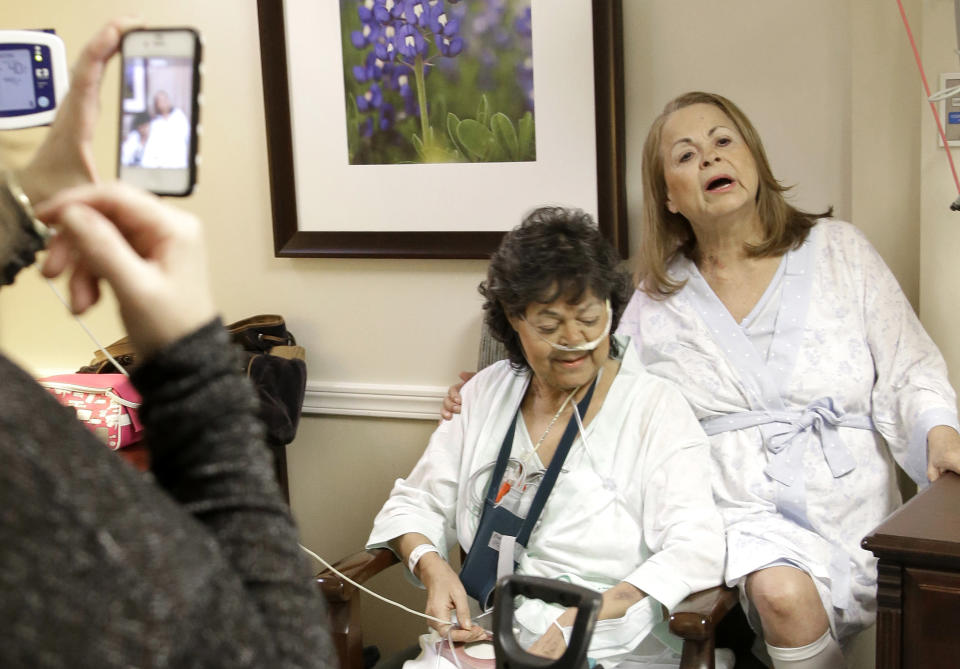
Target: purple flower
{"x": 366, "y": 127}
{"x": 365, "y": 11}
{"x": 371, "y": 70}
{"x": 370, "y": 100}
{"x": 388, "y": 116}
{"x": 361, "y": 38}
{"x": 386, "y": 10}
{"x": 384, "y": 47}
{"x": 410, "y": 43}
{"x": 449, "y": 47}
{"x": 523, "y": 24}
{"x": 437, "y": 20}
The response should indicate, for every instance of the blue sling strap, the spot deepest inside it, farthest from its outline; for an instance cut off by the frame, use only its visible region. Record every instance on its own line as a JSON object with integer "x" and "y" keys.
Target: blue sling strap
{"x": 499, "y": 525}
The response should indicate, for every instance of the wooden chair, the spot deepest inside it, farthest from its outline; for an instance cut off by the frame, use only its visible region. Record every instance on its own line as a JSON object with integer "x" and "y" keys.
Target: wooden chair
{"x": 695, "y": 620}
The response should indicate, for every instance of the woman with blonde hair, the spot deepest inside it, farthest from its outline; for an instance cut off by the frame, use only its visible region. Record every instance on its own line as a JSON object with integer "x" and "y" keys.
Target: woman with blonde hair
{"x": 804, "y": 363}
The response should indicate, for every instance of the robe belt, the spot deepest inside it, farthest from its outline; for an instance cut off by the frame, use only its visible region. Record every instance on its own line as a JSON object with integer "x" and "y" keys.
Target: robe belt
{"x": 781, "y": 429}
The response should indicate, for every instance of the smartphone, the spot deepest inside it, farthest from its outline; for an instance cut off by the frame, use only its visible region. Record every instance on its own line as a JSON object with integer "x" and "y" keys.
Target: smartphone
{"x": 159, "y": 109}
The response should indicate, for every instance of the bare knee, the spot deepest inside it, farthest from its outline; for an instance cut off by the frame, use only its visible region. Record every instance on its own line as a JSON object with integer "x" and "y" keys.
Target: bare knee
{"x": 788, "y": 604}
{"x": 778, "y": 594}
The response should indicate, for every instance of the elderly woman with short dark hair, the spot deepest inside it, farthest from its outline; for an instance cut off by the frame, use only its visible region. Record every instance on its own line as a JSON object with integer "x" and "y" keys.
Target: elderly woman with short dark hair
{"x": 569, "y": 459}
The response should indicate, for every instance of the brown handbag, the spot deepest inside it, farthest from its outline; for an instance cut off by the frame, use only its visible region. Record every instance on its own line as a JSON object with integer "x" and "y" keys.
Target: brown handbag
{"x": 267, "y": 353}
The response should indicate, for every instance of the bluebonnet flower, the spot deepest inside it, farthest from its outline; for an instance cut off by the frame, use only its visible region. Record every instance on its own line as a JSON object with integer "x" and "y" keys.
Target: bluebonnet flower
{"x": 366, "y": 127}
{"x": 386, "y": 10}
{"x": 365, "y": 11}
{"x": 405, "y": 29}
{"x": 370, "y": 100}
{"x": 523, "y": 24}
{"x": 384, "y": 46}
{"x": 372, "y": 69}
{"x": 410, "y": 43}
{"x": 388, "y": 115}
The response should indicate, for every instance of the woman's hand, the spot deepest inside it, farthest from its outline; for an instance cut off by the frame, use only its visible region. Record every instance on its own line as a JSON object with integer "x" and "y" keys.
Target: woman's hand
{"x": 943, "y": 451}
{"x": 445, "y": 593}
{"x": 551, "y": 644}
{"x": 451, "y": 403}
{"x": 614, "y": 604}
{"x": 150, "y": 253}
{"x": 65, "y": 158}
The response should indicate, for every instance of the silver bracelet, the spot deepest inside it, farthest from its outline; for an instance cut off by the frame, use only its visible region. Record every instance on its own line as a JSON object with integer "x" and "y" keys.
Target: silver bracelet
{"x": 25, "y": 207}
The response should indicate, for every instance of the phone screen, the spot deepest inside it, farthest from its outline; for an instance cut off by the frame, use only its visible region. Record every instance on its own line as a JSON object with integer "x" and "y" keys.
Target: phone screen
{"x": 159, "y": 89}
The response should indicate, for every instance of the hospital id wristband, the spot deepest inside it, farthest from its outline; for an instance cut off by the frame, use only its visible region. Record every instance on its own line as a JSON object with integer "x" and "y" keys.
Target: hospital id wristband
{"x": 418, "y": 553}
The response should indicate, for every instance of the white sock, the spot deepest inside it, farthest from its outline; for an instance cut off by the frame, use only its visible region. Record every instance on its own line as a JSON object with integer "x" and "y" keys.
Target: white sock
{"x": 824, "y": 653}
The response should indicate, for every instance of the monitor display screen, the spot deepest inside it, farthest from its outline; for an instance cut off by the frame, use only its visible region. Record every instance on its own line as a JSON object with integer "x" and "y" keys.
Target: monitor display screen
{"x": 16, "y": 81}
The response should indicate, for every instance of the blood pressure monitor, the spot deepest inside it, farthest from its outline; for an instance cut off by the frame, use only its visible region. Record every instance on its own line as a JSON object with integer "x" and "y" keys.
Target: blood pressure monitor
{"x": 33, "y": 77}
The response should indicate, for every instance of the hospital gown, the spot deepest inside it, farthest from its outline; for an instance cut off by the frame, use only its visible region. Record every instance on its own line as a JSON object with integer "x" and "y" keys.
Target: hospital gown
{"x": 632, "y": 504}
{"x": 806, "y": 400}
{"x": 168, "y": 142}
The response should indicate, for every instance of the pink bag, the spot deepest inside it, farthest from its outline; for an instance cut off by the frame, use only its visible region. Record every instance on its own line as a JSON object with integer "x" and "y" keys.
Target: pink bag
{"x": 106, "y": 403}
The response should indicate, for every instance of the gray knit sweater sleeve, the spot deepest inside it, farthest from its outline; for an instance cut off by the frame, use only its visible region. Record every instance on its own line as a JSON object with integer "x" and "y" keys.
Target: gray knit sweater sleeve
{"x": 196, "y": 565}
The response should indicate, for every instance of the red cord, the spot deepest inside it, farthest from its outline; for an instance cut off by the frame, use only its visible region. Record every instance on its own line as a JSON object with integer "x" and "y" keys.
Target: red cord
{"x": 926, "y": 87}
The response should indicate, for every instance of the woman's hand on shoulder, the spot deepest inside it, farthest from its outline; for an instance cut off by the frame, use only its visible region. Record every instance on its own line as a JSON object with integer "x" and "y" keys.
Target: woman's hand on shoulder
{"x": 453, "y": 401}
{"x": 943, "y": 451}
{"x": 445, "y": 593}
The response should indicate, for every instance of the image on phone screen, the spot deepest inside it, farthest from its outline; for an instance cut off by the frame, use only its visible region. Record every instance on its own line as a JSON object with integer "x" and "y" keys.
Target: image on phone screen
{"x": 157, "y": 109}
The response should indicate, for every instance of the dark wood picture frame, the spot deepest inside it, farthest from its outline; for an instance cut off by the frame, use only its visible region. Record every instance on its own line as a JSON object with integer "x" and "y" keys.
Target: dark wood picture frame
{"x": 291, "y": 242}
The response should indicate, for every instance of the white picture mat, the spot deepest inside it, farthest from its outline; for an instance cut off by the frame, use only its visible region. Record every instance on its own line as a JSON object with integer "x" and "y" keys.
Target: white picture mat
{"x": 333, "y": 195}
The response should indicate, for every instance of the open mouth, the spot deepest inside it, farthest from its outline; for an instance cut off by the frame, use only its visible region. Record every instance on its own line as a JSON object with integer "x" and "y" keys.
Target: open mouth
{"x": 719, "y": 183}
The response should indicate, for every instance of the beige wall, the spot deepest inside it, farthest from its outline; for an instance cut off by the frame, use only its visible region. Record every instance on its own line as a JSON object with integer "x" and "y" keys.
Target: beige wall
{"x": 829, "y": 84}
{"x": 940, "y": 231}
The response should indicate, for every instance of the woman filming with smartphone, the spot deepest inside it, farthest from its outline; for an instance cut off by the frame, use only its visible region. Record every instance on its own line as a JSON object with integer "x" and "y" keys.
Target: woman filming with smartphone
{"x": 198, "y": 564}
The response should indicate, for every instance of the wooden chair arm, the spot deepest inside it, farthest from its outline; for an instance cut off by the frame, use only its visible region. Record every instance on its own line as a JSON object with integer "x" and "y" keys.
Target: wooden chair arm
{"x": 360, "y": 567}
{"x": 697, "y": 616}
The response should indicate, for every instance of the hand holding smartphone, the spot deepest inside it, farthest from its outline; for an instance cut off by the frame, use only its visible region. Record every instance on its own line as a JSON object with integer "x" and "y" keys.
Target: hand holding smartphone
{"x": 159, "y": 110}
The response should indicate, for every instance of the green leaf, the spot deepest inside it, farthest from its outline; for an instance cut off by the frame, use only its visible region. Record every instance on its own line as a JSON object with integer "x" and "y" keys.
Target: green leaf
{"x": 418, "y": 145}
{"x": 476, "y": 139}
{"x": 498, "y": 154}
{"x": 452, "y": 123}
{"x": 483, "y": 110}
{"x": 527, "y": 138}
{"x": 506, "y": 136}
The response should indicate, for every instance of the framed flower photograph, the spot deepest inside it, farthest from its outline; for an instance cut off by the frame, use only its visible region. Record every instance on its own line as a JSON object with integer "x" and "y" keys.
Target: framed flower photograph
{"x": 428, "y": 128}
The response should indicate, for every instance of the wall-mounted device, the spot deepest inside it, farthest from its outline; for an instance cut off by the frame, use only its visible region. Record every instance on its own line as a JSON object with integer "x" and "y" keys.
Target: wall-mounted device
{"x": 949, "y": 107}
{"x": 33, "y": 77}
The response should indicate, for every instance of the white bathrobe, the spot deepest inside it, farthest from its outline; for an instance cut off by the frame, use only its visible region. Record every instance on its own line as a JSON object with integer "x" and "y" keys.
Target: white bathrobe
{"x": 633, "y": 504}
{"x": 805, "y": 401}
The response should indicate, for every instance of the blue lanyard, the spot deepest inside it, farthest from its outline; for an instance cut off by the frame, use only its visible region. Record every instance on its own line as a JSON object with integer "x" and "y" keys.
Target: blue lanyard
{"x": 549, "y": 479}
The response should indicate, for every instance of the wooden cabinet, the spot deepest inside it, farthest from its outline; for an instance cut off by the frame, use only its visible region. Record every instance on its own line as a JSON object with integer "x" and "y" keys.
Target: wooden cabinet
{"x": 918, "y": 593}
